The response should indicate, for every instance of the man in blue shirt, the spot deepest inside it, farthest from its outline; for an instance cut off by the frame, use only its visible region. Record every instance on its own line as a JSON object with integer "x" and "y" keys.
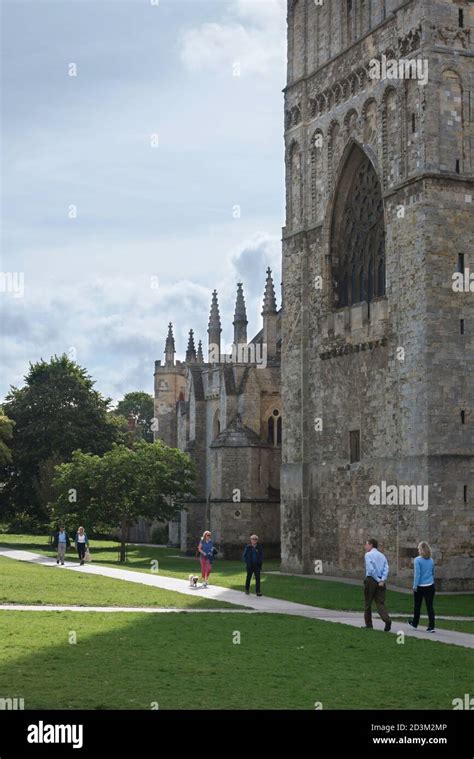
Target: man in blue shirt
{"x": 376, "y": 573}
{"x": 61, "y": 541}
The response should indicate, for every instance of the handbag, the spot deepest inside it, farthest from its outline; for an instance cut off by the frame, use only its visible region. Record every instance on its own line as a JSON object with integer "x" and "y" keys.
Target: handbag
{"x": 87, "y": 555}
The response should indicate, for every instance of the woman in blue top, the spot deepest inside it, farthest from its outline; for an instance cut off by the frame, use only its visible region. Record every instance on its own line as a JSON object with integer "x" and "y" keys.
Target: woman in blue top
{"x": 207, "y": 552}
{"x": 423, "y": 586}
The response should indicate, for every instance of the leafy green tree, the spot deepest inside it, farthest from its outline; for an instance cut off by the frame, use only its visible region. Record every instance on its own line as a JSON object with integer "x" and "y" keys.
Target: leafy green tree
{"x": 140, "y": 406}
{"x": 56, "y": 412}
{"x": 145, "y": 480}
{"x": 6, "y": 434}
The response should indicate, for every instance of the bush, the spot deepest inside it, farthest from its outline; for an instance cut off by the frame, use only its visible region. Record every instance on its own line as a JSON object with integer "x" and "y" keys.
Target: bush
{"x": 26, "y": 523}
{"x": 160, "y": 535}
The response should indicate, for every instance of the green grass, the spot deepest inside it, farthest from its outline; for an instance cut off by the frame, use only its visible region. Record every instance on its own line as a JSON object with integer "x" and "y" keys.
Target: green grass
{"x": 128, "y": 661}
{"x": 448, "y": 624}
{"x": 458, "y": 625}
{"x": 230, "y": 574}
{"x": 23, "y": 583}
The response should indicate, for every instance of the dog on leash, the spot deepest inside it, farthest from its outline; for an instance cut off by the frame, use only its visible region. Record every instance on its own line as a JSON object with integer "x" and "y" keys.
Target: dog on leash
{"x": 193, "y": 581}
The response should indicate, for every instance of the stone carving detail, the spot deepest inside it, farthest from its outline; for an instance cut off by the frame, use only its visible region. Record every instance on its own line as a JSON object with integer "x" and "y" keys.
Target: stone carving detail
{"x": 320, "y": 103}
{"x": 410, "y": 42}
{"x": 449, "y": 35}
{"x": 293, "y": 117}
{"x": 360, "y": 244}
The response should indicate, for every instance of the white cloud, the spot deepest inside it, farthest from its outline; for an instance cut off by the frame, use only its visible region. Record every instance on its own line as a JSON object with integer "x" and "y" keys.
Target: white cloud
{"x": 116, "y": 326}
{"x": 252, "y": 36}
{"x": 142, "y": 212}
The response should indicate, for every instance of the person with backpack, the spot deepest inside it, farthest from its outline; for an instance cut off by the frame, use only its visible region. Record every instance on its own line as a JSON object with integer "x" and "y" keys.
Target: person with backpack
{"x": 207, "y": 552}
{"x": 82, "y": 542}
{"x": 253, "y": 557}
{"x": 61, "y": 541}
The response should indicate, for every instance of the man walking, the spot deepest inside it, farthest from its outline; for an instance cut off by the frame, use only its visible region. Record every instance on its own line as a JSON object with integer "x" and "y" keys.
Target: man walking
{"x": 253, "y": 557}
{"x": 61, "y": 542}
{"x": 376, "y": 573}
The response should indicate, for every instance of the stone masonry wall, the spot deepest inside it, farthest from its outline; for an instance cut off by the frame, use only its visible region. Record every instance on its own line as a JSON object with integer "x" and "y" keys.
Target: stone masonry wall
{"x": 399, "y": 372}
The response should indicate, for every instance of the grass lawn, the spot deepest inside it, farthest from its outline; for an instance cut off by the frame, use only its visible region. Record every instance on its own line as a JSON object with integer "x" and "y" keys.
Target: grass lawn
{"x": 230, "y": 574}
{"x": 24, "y": 583}
{"x": 190, "y": 662}
{"x": 448, "y": 624}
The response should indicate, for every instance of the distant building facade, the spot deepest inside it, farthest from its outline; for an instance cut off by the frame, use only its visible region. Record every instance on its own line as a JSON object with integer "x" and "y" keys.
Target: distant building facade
{"x": 225, "y": 412}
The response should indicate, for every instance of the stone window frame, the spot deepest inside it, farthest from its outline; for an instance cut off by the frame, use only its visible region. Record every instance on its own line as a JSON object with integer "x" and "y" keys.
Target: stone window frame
{"x": 274, "y": 430}
{"x": 358, "y": 274}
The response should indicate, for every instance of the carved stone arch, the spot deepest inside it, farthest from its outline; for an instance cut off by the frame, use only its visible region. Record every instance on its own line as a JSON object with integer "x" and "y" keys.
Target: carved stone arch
{"x": 296, "y": 115}
{"x": 296, "y": 28}
{"x": 451, "y": 121}
{"x": 295, "y": 185}
{"x": 357, "y": 231}
{"x": 362, "y": 76}
{"x": 369, "y": 121}
{"x": 317, "y": 174}
{"x": 351, "y": 121}
{"x": 333, "y": 151}
{"x": 412, "y": 125}
{"x": 391, "y": 136}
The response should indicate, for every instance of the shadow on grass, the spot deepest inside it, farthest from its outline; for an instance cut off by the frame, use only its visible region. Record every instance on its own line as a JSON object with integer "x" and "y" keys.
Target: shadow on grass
{"x": 130, "y": 661}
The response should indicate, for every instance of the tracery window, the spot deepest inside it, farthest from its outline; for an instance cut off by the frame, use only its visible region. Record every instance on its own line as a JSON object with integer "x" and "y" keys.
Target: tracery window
{"x": 358, "y": 237}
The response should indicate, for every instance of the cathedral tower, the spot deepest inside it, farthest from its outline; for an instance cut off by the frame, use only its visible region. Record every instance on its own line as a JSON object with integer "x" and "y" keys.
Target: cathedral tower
{"x": 377, "y": 334}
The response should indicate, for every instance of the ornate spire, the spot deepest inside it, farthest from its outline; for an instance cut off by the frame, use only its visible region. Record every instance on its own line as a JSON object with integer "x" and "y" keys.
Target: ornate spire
{"x": 191, "y": 349}
{"x": 214, "y": 331}
{"x": 240, "y": 317}
{"x": 200, "y": 357}
{"x": 269, "y": 300}
{"x": 214, "y": 316}
{"x": 169, "y": 347}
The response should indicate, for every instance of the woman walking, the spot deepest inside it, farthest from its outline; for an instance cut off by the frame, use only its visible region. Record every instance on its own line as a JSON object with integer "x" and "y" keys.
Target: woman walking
{"x": 82, "y": 542}
{"x": 207, "y": 552}
{"x": 423, "y": 586}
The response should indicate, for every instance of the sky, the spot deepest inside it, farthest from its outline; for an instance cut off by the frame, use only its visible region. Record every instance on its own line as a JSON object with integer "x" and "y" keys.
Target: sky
{"x": 143, "y": 166}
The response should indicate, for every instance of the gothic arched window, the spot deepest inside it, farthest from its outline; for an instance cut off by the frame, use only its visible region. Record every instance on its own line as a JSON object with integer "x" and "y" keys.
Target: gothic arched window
{"x": 274, "y": 428}
{"x": 358, "y": 234}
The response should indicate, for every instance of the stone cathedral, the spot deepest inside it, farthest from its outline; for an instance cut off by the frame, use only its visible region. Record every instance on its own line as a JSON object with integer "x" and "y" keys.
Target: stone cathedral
{"x": 377, "y": 348}
{"x": 224, "y": 410}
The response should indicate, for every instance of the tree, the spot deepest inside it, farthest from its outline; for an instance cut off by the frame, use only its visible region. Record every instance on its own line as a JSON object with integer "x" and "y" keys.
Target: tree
{"x": 146, "y": 480}
{"x": 56, "y": 412}
{"x": 140, "y": 407}
{"x": 6, "y": 434}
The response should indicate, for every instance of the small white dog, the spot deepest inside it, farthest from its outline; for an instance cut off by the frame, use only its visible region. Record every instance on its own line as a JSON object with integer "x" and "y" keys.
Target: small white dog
{"x": 193, "y": 581}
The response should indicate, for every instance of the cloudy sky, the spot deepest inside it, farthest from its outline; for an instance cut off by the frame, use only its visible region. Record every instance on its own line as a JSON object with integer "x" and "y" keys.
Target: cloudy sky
{"x": 132, "y": 189}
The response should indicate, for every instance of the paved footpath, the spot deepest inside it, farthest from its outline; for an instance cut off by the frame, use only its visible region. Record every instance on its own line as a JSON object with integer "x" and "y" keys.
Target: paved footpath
{"x": 263, "y": 604}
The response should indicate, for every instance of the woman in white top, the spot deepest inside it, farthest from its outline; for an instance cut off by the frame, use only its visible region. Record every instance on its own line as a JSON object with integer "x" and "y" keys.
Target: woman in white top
{"x": 82, "y": 542}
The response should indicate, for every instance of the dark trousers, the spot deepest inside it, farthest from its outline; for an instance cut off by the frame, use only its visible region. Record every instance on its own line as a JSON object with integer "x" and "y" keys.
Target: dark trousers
{"x": 253, "y": 570}
{"x": 81, "y": 549}
{"x": 419, "y": 594}
{"x": 373, "y": 592}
